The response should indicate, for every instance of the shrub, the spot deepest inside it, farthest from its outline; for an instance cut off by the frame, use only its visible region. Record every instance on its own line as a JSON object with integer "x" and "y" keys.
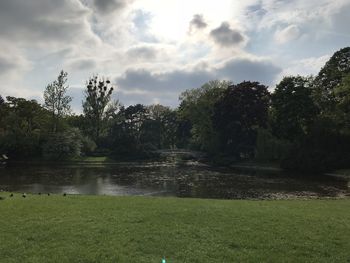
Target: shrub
{"x": 88, "y": 145}
{"x": 63, "y": 145}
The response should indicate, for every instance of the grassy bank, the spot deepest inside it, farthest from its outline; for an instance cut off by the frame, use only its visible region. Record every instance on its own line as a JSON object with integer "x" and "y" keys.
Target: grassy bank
{"x": 135, "y": 229}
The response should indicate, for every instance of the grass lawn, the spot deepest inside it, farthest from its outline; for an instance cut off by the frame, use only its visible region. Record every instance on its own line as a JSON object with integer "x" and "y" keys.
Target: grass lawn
{"x": 138, "y": 229}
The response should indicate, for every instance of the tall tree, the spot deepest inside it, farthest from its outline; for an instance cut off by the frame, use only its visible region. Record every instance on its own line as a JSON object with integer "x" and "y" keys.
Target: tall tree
{"x": 3, "y": 109}
{"x": 342, "y": 108}
{"x": 293, "y": 109}
{"x": 130, "y": 132}
{"x": 197, "y": 106}
{"x": 97, "y": 97}
{"x": 24, "y": 126}
{"x": 329, "y": 77}
{"x": 56, "y": 100}
{"x": 162, "y": 123}
{"x": 238, "y": 114}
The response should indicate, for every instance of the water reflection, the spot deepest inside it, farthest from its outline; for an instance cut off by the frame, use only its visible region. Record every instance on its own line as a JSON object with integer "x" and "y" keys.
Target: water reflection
{"x": 166, "y": 179}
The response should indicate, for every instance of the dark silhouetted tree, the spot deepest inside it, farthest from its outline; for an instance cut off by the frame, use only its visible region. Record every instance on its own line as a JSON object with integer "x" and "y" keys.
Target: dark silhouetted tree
{"x": 97, "y": 97}
{"x": 238, "y": 114}
{"x": 293, "y": 109}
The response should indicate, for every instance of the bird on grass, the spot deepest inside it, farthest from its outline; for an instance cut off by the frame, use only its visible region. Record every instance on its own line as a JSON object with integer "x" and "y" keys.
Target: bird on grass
{"x": 11, "y": 195}
{"x": 24, "y": 195}
{"x": 48, "y": 193}
{"x": 64, "y": 194}
{"x": 39, "y": 193}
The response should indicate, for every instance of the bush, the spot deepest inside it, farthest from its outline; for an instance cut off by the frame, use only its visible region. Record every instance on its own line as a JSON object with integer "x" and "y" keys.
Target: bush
{"x": 270, "y": 148}
{"x": 20, "y": 147}
{"x": 88, "y": 146}
{"x": 63, "y": 145}
{"x": 323, "y": 149}
{"x": 128, "y": 149}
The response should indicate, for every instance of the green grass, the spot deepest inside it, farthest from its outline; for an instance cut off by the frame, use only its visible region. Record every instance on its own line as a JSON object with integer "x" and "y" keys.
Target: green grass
{"x": 137, "y": 229}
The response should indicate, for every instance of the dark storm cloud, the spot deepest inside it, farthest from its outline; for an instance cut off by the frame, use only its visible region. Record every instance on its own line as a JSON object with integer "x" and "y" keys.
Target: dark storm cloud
{"x": 109, "y": 6}
{"x": 7, "y": 65}
{"x": 197, "y": 22}
{"x": 143, "y": 53}
{"x": 177, "y": 81}
{"x": 42, "y": 20}
{"x": 225, "y": 36}
{"x": 83, "y": 64}
{"x": 168, "y": 82}
{"x": 239, "y": 70}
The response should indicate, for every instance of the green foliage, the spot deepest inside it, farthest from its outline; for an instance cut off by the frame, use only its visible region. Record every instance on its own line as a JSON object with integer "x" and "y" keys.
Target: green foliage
{"x": 56, "y": 100}
{"x": 3, "y": 113}
{"x": 134, "y": 134}
{"x": 305, "y": 122}
{"x": 161, "y": 127}
{"x": 88, "y": 145}
{"x": 23, "y": 124}
{"x": 330, "y": 77}
{"x": 270, "y": 148}
{"x": 342, "y": 108}
{"x": 293, "y": 109}
{"x": 239, "y": 113}
{"x": 63, "y": 145}
{"x": 324, "y": 148}
{"x": 97, "y": 97}
{"x": 197, "y": 106}
{"x": 326, "y": 145}
{"x": 183, "y": 131}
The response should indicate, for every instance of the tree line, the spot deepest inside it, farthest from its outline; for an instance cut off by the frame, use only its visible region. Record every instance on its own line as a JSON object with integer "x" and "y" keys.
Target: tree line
{"x": 303, "y": 124}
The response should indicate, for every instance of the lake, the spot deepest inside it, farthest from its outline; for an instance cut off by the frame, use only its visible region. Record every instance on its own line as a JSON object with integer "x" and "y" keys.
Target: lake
{"x": 166, "y": 179}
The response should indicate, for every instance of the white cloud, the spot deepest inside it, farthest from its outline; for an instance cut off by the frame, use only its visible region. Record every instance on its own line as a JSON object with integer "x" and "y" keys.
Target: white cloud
{"x": 155, "y": 49}
{"x": 307, "y": 66}
{"x": 287, "y": 34}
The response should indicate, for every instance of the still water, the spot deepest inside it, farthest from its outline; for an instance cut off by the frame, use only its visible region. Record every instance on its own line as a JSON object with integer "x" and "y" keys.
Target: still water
{"x": 166, "y": 179}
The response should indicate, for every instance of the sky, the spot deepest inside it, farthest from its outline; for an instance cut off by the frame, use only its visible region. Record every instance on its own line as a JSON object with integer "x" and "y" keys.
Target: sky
{"x": 152, "y": 50}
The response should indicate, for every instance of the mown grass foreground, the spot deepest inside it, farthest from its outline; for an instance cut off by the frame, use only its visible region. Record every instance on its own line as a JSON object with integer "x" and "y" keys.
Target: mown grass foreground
{"x": 137, "y": 229}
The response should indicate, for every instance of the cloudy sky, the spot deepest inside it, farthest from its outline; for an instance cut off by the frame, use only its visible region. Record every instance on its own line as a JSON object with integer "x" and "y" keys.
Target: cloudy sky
{"x": 152, "y": 50}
